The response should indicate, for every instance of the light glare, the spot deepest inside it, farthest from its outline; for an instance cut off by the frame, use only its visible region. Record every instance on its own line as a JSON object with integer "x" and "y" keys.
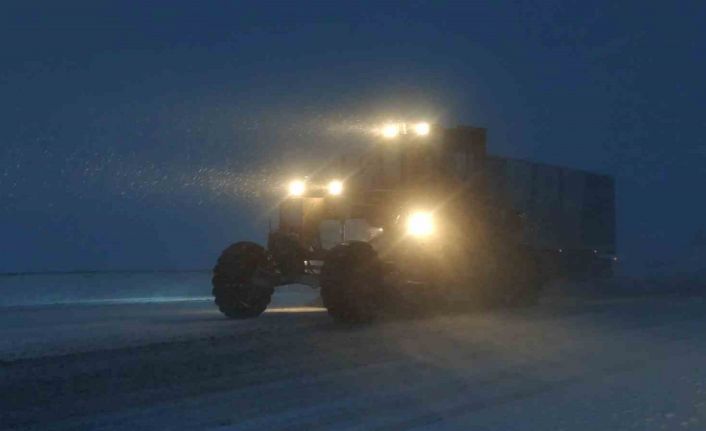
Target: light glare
{"x": 335, "y": 187}
{"x": 422, "y": 129}
{"x": 420, "y": 224}
{"x": 297, "y": 188}
{"x": 390, "y": 131}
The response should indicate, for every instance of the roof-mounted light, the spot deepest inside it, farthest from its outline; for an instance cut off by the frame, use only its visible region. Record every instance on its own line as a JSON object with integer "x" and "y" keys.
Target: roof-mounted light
{"x": 422, "y": 129}
{"x": 390, "y": 130}
{"x": 335, "y": 187}
{"x": 297, "y": 188}
{"x": 393, "y": 130}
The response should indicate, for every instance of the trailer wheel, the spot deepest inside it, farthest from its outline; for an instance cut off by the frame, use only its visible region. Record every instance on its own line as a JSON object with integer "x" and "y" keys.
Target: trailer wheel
{"x": 351, "y": 282}
{"x": 239, "y": 290}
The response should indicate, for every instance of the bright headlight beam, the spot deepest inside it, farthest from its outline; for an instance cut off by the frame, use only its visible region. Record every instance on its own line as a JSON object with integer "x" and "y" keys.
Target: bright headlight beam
{"x": 420, "y": 224}
{"x": 296, "y": 188}
{"x": 335, "y": 187}
{"x": 391, "y": 130}
{"x": 422, "y": 129}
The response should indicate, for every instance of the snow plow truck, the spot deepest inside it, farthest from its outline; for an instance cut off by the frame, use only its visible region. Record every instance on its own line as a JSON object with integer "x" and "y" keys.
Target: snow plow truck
{"x": 425, "y": 218}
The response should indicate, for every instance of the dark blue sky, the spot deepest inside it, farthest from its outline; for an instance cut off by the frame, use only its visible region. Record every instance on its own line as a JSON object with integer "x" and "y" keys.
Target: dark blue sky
{"x": 149, "y": 134}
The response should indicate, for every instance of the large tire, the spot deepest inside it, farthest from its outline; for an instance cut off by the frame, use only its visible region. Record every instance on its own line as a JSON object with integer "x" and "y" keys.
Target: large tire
{"x": 351, "y": 282}
{"x": 238, "y": 290}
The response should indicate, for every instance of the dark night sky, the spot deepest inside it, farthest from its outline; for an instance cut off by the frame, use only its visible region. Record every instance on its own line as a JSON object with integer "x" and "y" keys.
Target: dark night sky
{"x": 147, "y": 135}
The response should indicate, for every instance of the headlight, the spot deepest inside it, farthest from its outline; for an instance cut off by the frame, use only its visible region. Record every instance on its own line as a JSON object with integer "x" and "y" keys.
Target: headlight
{"x": 393, "y": 130}
{"x": 422, "y": 129}
{"x": 390, "y": 131}
{"x": 297, "y": 188}
{"x": 420, "y": 224}
{"x": 335, "y": 187}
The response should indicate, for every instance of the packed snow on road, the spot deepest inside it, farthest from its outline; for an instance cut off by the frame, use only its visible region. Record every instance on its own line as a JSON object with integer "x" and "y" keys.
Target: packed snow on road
{"x": 600, "y": 362}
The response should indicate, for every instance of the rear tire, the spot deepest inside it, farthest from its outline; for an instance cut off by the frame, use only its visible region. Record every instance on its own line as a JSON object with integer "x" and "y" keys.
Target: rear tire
{"x": 238, "y": 287}
{"x": 351, "y": 281}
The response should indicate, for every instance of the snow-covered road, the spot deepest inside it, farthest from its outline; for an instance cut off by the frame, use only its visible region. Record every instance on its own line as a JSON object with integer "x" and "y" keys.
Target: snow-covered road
{"x": 611, "y": 364}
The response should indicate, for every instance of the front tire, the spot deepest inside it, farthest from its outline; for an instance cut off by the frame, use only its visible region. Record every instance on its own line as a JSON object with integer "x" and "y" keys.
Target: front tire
{"x": 239, "y": 288}
{"x": 351, "y": 281}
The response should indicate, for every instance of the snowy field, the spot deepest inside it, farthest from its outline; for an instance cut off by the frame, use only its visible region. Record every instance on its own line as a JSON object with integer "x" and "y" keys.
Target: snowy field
{"x": 581, "y": 363}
